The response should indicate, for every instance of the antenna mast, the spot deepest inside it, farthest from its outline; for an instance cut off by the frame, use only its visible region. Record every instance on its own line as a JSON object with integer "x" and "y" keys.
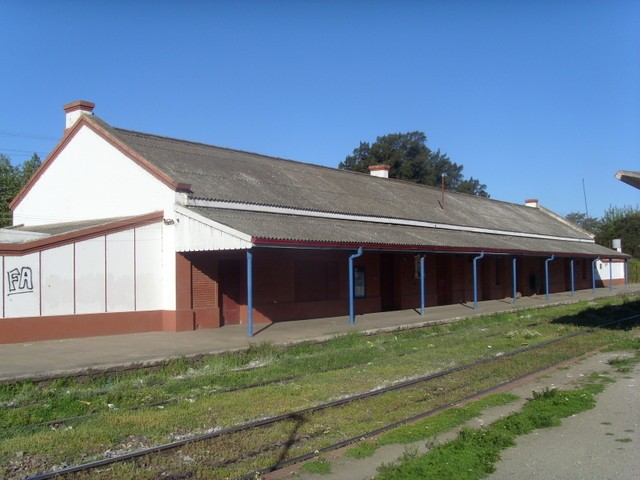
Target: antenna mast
{"x": 584, "y": 192}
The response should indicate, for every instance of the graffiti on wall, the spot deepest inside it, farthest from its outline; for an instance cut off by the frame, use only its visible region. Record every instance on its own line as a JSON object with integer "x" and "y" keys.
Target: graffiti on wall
{"x": 20, "y": 280}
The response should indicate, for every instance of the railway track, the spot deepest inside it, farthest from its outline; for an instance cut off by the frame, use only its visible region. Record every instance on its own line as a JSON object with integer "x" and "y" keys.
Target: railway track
{"x": 217, "y": 391}
{"x": 303, "y": 427}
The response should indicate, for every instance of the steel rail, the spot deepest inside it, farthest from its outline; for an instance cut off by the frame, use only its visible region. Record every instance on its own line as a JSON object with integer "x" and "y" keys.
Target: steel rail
{"x": 391, "y": 426}
{"x": 278, "y": 418}
{"x": 414, "y": 418}
{"x": 62, "y": 421}
{"x": 200, "y": 357}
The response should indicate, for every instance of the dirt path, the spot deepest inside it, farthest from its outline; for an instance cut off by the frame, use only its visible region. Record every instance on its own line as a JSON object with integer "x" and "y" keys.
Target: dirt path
{"x": 601, "y": 443}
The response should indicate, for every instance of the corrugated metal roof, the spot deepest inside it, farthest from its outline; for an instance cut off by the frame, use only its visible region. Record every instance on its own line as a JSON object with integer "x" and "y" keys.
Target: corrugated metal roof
{"x": 68, "y": 227}
{"x": 244, "y": 178}
{"x": 281, "y": 229}
{"x": 231, "y": 175}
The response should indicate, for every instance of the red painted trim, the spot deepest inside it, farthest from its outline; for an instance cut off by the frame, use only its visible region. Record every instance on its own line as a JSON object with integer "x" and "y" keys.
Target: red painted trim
{"x": 40, "y": 279}
{"x": 137, "y": 158}
{"x": 29, "y": 329}
{"x": 265, "y": 242}
{"x": 68, "y": 134}
{"x": 106, "y": 297}
{"x": 373, "y": 168}
{"x": 87, "y": 120}
{"x": 79, "y": 105}
{"x": 135, "y": 280}
{"x": 3, "y": 287}
{"x": 75, "y": 308}
{"x": 19, "y": 249}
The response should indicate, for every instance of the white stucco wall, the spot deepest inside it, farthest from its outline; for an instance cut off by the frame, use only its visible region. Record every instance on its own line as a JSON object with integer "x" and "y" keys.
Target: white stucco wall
{"x": 91, "y": 179}
{"x": 111, "y": 273}
{"x": 602, "y": 270}
{"x": 90, "y": 276}
{"x": 149, "y": 267}
{"x": 120, "y": 272}
{"x": 22, "y": 286}
{"x": 57, "y": 281}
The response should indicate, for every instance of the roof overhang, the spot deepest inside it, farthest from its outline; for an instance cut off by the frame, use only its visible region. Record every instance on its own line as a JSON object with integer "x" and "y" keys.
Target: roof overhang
{"x": 266, "y": 228}
{"x": 74, "y": 234}
{"x": 629, "y": 177}
{"x": 423, "y": 249}
{"x": 196, "y": 233}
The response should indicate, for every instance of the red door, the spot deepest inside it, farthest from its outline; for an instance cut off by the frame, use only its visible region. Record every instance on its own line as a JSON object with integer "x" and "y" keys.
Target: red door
{"x": 232, "y": 292}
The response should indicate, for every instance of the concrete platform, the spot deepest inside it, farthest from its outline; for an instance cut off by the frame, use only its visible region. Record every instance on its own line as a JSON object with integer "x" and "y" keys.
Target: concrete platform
{"x": 53, "y": 358}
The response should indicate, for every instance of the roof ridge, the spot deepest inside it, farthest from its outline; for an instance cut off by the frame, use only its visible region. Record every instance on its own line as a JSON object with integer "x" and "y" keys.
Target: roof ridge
{"x": 298, "y": 162}
{"x": 228, "y": 149}
{"x": 371, "y": 178}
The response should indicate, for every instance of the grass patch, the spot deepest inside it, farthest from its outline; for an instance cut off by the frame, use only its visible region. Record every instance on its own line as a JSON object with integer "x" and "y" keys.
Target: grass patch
{"x": 624, "y": 364}
{"x": 200, "y": 394}
{"x": 474, "y": 453}
{"x": 431, "y": 426}
{"x": 624, "y": 440}
{"x": 319, "y": 467}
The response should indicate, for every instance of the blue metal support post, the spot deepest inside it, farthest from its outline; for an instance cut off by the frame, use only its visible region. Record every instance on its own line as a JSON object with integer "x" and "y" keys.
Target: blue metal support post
{"x": 352, "y": 316}
{"x": 626, "y": 273}
{"x": 249, "y": 293}
{"x": 422, "y": 295}
{"x": 573, "y": 280}
{"x": 610, "y": 275}
{"x": 515, "y": 280}
{"x": 593, "y": 274}
{"x": 475, "y": 279}
{"x": 546, "y": 274}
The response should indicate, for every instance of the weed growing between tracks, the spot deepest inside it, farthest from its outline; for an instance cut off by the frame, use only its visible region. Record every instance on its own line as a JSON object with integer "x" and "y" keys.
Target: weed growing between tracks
{"x": 475, "y": 452}
{"x": 431, "y": 426}
{"x": 344, "y": 366}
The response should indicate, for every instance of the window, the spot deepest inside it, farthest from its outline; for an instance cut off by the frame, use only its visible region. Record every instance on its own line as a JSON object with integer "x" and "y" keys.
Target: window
{"x": 359, "y": 282}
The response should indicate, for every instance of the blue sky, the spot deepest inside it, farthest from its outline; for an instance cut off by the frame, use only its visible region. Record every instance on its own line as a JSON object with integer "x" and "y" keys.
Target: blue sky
{"x": 532, "y": 97}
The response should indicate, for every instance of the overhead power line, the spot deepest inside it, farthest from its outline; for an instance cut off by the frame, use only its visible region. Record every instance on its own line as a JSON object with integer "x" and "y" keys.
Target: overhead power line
{"x": 27, "y": 152}
{"x": 26, "y": 135}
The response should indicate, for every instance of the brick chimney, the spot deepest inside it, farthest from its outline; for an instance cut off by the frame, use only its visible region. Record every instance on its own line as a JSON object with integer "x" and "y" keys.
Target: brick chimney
{"x": 381, "y": 171}
{"x": 532, "y": 202}
{"x": 73, "y": 111}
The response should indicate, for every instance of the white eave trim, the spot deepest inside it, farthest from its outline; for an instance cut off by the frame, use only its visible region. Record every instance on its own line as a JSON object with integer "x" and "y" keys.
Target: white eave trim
{"x": 208, "y": 235}
{"x": 247, "y": 207}
{"x": 8, "y": 235}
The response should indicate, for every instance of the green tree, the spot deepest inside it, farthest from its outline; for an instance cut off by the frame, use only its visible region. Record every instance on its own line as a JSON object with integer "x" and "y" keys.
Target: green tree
{"x": 589, "y": 224}
{"x": 622, "y": 223}
{"x": 411, "y": 159}
{"x": 12, "y": 179}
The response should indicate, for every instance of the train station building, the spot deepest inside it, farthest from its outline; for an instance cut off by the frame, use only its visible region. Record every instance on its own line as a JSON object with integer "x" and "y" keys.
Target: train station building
{"x": 121, "y": 231}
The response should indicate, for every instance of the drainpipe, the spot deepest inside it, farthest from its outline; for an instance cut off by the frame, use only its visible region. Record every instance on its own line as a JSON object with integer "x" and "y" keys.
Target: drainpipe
{"x": 593, "y": 274}
{"x": 249, "y": 293}
{"x": 352, "y": 317}
{"x": 610, "y": 274}
{"x": 573, "y": 283}
{"x": 475, "y": 279}
{"x": 546, "y": 274}
{"x": 515, "y": 280}
{"x": 422, "y": 294}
